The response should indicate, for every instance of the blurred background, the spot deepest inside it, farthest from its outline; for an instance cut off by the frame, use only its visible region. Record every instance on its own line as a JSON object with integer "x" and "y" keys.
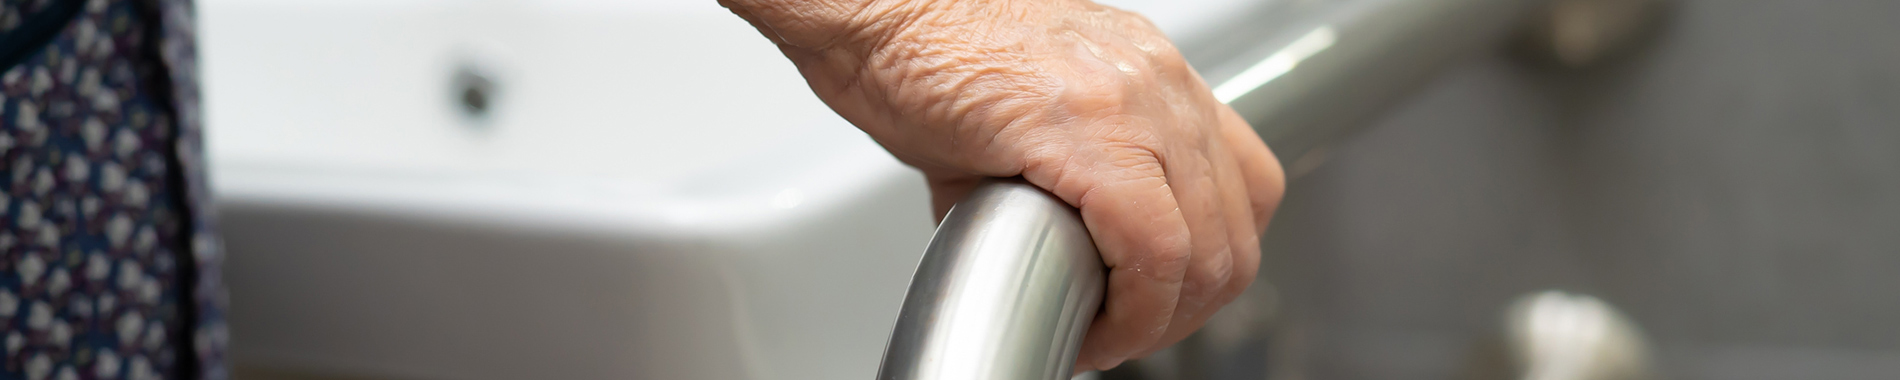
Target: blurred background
{"x": 501, "y": 189}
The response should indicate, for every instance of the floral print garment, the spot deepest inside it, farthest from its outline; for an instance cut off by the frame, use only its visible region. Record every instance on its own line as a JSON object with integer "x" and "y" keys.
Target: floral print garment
{"x": 110, "y": 268}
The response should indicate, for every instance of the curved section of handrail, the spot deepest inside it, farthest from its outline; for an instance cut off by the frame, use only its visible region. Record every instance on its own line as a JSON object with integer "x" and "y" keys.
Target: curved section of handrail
{"x": 1005, "y": 291}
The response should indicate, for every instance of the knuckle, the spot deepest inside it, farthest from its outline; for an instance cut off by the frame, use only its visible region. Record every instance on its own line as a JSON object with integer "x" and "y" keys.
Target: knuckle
{"x": 1050, "y": 161}
{"x": 1129, "y": 142}
{"x": 1135, "y": 157}
{"x": 1218, "y": 276}
{"x": 1218, "y": 269}
{"x": 1165, "y": 260}
{"x": 1208, "y": 278}
{"x": 1166, "y": 58}
{"x": 1086, "y": 94}
{"x": 1245, "y": 263}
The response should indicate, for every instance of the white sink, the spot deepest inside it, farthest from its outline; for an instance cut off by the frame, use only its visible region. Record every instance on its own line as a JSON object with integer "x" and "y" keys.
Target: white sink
{"x": 655, "y": 193}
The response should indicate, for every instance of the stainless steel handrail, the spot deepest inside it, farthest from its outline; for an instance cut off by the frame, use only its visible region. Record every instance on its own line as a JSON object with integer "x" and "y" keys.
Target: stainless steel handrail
{"x": 1005, "y": 291}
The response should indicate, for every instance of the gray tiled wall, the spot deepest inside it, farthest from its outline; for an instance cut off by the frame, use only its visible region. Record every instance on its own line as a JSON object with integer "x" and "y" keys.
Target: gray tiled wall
{"x": 1734, "y": 185}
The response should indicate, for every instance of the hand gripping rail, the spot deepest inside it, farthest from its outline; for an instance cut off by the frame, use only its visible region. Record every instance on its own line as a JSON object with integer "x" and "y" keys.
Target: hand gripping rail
{"x": 1011, "y": 281}
{"x": 1005, "y": 291}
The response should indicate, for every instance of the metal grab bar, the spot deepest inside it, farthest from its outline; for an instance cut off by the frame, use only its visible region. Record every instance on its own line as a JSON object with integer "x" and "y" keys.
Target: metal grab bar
{"x": 1006, "y": 290}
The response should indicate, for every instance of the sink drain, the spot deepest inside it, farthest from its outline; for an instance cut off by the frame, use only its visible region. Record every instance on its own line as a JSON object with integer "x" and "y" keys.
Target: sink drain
{"x": 474, "y": 92}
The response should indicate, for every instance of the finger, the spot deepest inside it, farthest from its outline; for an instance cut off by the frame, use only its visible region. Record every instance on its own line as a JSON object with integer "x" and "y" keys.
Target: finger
{"x": 1243, "y": 223}
{"x": 1243, "y": 236}
{"x": 1130, "y": 210}
{"x": 1242, "y": 230}
{"x": 1212, "y": 270}
{"x": 1266, "y": 180}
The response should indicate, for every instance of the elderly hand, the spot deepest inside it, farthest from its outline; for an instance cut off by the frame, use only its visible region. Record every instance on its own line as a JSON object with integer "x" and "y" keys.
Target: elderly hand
{"x": 1087, "y": 101}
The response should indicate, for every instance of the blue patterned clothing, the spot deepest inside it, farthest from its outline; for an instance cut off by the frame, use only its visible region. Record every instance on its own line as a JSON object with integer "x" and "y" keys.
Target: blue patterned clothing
{"x": 111, "y": 270}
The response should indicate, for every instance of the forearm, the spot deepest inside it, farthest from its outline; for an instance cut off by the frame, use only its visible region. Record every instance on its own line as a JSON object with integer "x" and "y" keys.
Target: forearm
{"x": 828, "y": 24}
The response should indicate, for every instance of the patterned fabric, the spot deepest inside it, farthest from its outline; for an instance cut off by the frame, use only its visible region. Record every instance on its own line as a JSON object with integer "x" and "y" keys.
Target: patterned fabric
{"x": 178, "y": 52}
{"x": 111, "y": 268}
{"x": 12, "y": 12}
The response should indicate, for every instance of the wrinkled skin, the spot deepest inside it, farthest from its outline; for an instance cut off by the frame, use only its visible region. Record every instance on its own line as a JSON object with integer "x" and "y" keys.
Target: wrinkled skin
{"x": 1087, "y": 101}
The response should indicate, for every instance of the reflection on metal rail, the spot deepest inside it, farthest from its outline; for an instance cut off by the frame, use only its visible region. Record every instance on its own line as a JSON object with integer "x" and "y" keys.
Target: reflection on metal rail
{"x": 1307, "y": 73}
